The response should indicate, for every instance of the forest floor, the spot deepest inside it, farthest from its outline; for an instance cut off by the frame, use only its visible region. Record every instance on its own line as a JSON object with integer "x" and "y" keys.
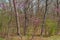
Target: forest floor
{"x": 56, "y": 37}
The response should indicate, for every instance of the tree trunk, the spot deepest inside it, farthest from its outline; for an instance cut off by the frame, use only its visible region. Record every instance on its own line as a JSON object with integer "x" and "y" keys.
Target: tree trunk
{"x": 26, "y": 20}
{"x": 17, "y": 18}
{"x": 58, "y": 18}
{"x": 44, "y": 19}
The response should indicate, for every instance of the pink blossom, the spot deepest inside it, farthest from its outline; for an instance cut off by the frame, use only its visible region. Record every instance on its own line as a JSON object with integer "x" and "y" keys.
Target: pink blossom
{"x": 1, "y": 4}
{"x": 21, "y": 5}
{"x": 35, "y": 20}
{"x": 57, "y": 9}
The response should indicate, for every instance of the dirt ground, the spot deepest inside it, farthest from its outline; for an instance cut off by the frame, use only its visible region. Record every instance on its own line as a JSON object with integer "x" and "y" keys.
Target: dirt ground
{"x": 34, "y": 38}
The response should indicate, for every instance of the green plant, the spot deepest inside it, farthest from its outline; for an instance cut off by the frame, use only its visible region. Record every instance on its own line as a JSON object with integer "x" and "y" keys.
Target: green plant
{"x": 52, "y": 26}
{"x": 1, "y": 39}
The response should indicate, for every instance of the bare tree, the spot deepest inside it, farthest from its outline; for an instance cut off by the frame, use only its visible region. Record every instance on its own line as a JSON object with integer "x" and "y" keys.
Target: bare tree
{"x": 26, "y": 20}
{"x": 17, "y": 17}
{"x": 44, "y": 19}
{"x": 58, "y": 20}
{"x": 10, "y": 17}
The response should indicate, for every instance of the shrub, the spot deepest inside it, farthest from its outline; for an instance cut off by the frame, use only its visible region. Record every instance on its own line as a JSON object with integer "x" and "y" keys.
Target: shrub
{"x": 51, "y": 26}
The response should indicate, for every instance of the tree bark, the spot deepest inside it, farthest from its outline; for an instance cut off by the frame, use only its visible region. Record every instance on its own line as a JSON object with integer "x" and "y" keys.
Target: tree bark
{"x": 58, "y": 20}
{"x": 17, "y": 18}
{"x": 44, "y": 19}
{"x": 26, "y": 20}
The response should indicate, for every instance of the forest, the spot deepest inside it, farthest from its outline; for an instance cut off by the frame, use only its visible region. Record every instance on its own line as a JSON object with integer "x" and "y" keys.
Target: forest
{"x": 29, "y": 19}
